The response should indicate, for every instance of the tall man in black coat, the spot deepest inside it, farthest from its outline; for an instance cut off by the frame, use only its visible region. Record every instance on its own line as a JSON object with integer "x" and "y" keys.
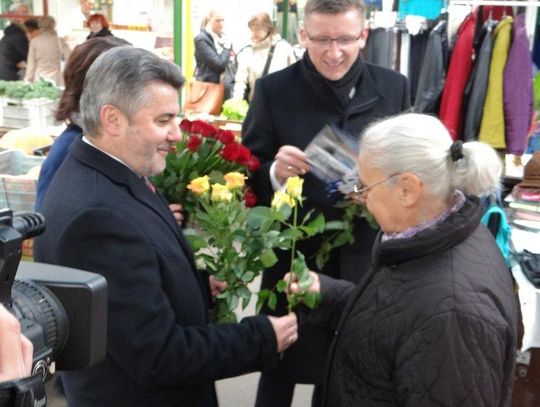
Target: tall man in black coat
{"x": 103, "y": 217}
{"x": 330, "y": 85}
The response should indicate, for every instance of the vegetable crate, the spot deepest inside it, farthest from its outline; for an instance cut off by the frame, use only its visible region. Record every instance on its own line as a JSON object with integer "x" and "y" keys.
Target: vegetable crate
{"x": 19, "y": 113}
{"x": 17, "y": 191}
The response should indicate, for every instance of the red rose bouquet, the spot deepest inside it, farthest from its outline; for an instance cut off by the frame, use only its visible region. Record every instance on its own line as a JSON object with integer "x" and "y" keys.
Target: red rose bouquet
{"x": 203, "y": 150}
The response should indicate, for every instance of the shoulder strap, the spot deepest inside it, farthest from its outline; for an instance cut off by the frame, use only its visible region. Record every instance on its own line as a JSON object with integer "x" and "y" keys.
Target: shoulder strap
{"x": 269, "y": 59}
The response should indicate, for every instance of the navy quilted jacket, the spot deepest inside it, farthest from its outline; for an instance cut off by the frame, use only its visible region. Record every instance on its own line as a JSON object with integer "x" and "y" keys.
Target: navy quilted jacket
{"x": 434, "y": 323}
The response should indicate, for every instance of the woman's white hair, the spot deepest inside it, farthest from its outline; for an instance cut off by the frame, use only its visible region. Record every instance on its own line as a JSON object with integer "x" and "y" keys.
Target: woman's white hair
{"x": 421, "y": 144}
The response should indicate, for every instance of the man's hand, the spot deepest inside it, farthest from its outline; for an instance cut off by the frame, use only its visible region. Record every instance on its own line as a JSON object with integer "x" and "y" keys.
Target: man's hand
{"x": 216, "y": 286}
{"x": 177, "y": 211}
{"x": 15, "y": 349}
{"x": 286, "y": 330}
{"x": 290, "y": 161}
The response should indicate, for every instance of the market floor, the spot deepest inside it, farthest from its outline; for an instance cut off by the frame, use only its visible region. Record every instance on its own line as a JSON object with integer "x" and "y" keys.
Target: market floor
{"x": 235, "y": 392}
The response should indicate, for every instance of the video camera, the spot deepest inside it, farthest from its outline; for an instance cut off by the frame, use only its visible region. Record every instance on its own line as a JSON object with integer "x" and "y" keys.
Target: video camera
{"x": 63, "y": 311}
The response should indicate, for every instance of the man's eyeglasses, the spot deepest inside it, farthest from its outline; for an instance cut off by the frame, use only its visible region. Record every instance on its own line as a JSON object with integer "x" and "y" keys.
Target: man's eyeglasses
{"x": 325, "y": 42}
{"x": 362, "y": 190}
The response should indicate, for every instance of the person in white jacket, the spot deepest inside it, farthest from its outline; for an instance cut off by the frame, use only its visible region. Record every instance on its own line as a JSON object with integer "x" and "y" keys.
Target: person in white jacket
{"x": 45, "y": 53}
{"x": 267, "y": 49}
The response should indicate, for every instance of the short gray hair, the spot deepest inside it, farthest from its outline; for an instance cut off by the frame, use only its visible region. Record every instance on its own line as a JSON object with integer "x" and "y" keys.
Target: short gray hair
{"x": 118, "y": 77}
{"x": 333, "y": 7}
{"x": 421, "y": 144}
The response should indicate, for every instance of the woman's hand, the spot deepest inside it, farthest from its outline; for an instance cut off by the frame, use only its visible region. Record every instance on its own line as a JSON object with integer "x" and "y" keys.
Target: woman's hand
{"x": 295, "y": 288}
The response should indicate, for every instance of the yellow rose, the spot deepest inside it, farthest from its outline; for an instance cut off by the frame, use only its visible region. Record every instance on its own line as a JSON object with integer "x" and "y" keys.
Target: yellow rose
{"x": 280, "y": 199}
{"x": 294, "y": 187}
{"x": 234, "y": 180}
{"x": 220, "y": 193}
{"x": 199, "y": 185}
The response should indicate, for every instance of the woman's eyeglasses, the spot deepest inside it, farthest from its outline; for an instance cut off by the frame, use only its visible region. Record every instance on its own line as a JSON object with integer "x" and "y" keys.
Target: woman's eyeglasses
{"x": 363, "y": 189}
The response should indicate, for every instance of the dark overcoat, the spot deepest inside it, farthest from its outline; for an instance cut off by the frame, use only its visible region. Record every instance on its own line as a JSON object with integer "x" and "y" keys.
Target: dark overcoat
{"x": 101, "y": 217}
{"x": 290, "y": 107}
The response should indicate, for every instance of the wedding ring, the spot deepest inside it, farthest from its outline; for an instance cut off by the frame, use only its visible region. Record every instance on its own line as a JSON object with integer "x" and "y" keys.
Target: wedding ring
{"x": 291, "y": 339}
{"x": 289, "y": 167}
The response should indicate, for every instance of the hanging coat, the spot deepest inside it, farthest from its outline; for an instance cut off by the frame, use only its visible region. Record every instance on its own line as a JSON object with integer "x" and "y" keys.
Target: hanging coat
{"x": 492, "y": 129}
{"x": 458, "y": 75}
{"x": 432, "y": 74}
{"x": 478, "y": 83}
{"x": 517, "y": 89}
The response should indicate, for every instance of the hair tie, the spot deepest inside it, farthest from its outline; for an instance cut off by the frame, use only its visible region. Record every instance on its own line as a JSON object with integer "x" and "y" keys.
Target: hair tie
{"x": 456, "y": 150}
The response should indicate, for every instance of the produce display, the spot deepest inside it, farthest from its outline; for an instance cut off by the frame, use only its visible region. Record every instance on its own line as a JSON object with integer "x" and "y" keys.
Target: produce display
{"x": 25, "y": 90}
{"x": 235, "y": 109}
{"x": 26, "y": 139}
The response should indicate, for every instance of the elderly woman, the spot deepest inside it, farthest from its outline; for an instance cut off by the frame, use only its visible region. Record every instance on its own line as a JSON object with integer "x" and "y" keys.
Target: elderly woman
{"x": 267, "y": 53}
{"x": 434, "y": 321}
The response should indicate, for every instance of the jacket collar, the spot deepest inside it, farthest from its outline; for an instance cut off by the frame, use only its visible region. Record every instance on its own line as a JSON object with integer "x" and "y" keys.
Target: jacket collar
{"x": 367, "y": 94}
{"x": 122, "y": 175}
{"x": 442, "y": 236}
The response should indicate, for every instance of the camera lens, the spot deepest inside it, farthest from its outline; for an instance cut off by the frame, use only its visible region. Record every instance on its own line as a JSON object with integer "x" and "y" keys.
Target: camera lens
{"x": 42, "y": 317}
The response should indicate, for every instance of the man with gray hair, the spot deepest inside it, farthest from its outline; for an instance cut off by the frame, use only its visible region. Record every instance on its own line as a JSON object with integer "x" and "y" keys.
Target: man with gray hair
{"x": 331, "y": 85}
{"x": 103, "y": 216}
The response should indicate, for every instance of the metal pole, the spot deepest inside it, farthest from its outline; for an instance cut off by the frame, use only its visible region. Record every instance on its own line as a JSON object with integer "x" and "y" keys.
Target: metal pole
{"x": 285, "y": 21}
{"x": 178, "y": 28}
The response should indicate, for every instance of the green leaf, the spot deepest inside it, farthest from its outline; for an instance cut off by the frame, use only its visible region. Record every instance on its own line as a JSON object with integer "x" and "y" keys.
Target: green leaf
{"x": 195, "y": 241}
{"x": 248, "y": 277}
{"x": 272, "y": 301}
{"x": 243, "y": 292}
{"x": 311, "y": 299}
{"x": 262, "y": 296}
{"x": 268, "y": 258}
{"x": 281, "y": 286}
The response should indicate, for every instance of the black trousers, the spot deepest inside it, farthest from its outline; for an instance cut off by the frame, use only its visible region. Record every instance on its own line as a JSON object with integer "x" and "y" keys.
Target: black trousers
{"x": 275, "y": 391}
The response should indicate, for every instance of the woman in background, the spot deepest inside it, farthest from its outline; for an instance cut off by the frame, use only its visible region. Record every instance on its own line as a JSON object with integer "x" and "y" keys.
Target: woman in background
{"x": 99, "y": 26}
{"x": 212, "y": 50}
{"x": 68, "y": 108}
{"x": 45, "y": 53}
{"x": 267, "y": 53}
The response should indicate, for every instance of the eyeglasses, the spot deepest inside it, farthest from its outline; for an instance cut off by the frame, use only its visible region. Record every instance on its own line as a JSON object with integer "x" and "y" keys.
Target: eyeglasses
{"x": 325, "y": 42}
{"x": 362, "y": 190}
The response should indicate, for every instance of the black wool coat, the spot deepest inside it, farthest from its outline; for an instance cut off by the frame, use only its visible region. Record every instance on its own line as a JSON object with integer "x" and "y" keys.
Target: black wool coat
{"x": 101, "y": 217}
{"x": 290, "y": 107}
{"x": 13, "y": 49}
{"x": 433, "y": 324}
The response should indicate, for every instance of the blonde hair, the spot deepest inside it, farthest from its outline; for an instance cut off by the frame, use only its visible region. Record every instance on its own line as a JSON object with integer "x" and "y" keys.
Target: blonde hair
{"x": 47, "y": 24}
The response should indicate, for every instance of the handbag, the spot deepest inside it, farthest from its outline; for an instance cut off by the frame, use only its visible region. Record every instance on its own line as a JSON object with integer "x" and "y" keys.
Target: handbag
{"x": 204, "y": 97}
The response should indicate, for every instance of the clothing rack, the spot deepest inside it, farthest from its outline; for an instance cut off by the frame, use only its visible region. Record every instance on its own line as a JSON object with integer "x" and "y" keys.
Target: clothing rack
{"x": 529, "y": 3}
{"x": 530, "y": 15}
